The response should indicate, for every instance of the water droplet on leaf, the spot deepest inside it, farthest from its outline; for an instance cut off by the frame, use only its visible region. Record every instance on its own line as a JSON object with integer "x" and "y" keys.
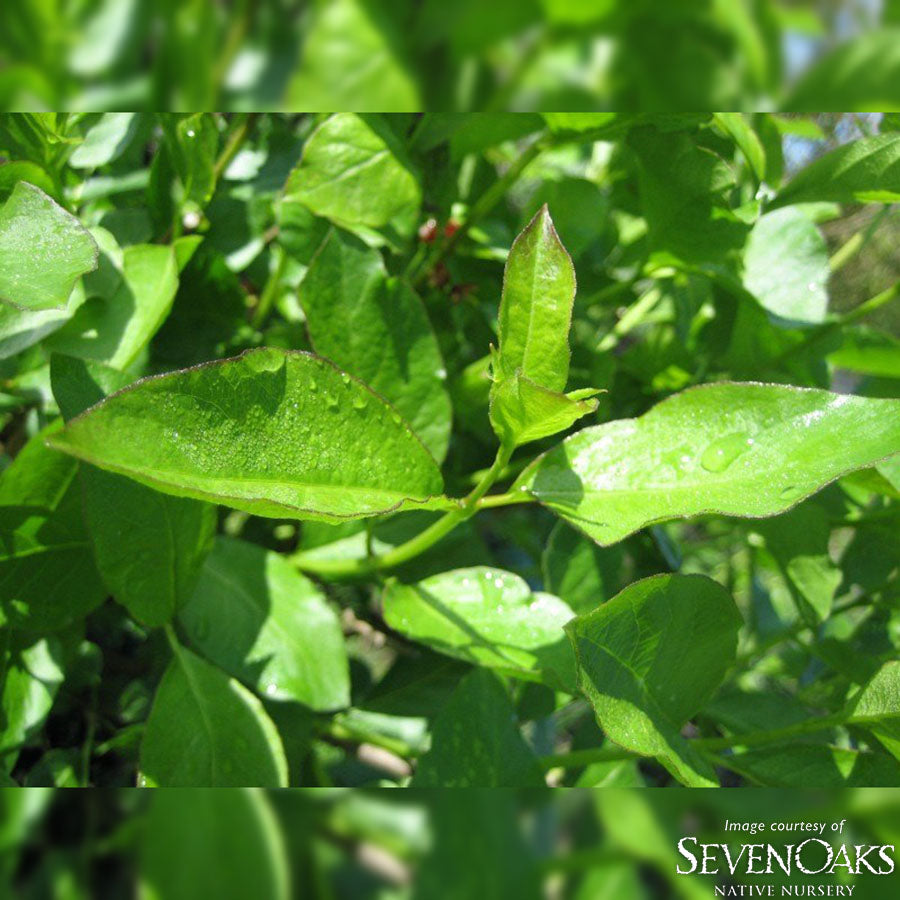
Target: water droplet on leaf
{"x": 720, "y": 454}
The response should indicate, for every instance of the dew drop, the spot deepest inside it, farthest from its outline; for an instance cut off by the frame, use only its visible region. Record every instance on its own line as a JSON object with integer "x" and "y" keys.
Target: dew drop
{"x": 395, "y": 418}
{"x": 345, "y": 378}
{"x": 271, "y": 688}
{"x": 359, "y": 401}
{"x": 331, "y": 401}
{"x": 720, "y": 454}
{"x": 313, "y": 386}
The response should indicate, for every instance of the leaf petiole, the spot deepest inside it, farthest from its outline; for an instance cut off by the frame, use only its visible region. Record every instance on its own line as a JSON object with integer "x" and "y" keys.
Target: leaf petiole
{"x": 468, "y": 505}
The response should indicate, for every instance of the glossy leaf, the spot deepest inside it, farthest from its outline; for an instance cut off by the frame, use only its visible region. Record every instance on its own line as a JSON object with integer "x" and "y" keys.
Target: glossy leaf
{"x": 376, "y": 328}
{"x": 255, "y": 616}
{"x": 205, "y": 729}
{"x": 210, "y": 843}
{"x": 736, "y": 449}
{"x": 863, "y": 171}
{"x": 786, "y": 267}
{"x": 475, "y": 742}
{"x": 487, "y": 617}
{"x": 273, "y": 432}
{"x": 148, "y": 546}
{"x": 47, "y": 574}
{"x": 650, "y": 658}
{"x": 43, "y": 250}
{"x": 522, "y": 411}
{"x": 354, "y": 172}
{"x": 123, "y": 310}
{"x": 536, "y": 307}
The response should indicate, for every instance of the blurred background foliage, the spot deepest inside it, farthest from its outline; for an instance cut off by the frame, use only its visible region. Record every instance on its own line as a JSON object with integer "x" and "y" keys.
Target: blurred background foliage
{"x": 406, "y": 55}
{"x": 501, "y": 844}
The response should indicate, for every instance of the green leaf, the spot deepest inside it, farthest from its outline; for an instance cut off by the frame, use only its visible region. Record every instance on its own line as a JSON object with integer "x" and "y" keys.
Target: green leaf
{"x": 876, "y": 707}
{"x": 106, "y": 140}
{"x": 124, "y": 305}
{"x": 349, "y": 61}
{"x": 207, "y": 730}
{"x": 536, "y": 307}
{"x": 22, "y": 328}
{"x": 208, "y": 843}
{"x": 735, "y": 449}
{"x": 11, "y": 173}
{"x": 475, "y": 741}
{"x": 30, "y": 677}
{"x": 487, "y": 617}
{"x": 47, "y": 573}
{"x": 522, "y": 411}
{"x": 863, "y": 171}
{"x": 192, "y": 142}
{"x": 147, "y": 574}
{"x": 272, "y": 432}
{"x": 739, "y": 130}
{"x": 798, "y": 540}
{"x": 354, "y": 172}
{"x": 43, "y": 250}
{"x": 786, "y": 267}
{"x": 256, "y": 617}
{"x": 376, "y": 328}
{"x": 684, "y": 191}
{"x": 650, "y": 658}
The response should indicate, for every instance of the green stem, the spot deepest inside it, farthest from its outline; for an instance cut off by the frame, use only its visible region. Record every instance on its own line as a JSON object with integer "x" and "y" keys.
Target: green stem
{"x": 233, "y": 144}
{"x": 172, "y": 638}
{"x": 488, "y": 200}
{"x": 350, "y": 568}
{"x": 270, "y": 290}
{"x": 346, "y": 733}
{"x": 492, "y": 501}
{"x": 580, "y": 758}
{"x": 856, "y": 242}
{"x": 577, "y": 759}
{"x": 771, "y": 736}
{"x": 869, "y": 306}
{"x": 631, "y": 318}
{"x": 826, "y": 329}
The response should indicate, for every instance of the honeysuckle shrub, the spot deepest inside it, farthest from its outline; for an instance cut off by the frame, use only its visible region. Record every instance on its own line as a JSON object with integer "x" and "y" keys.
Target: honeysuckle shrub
{"x": 443, "y": 450}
